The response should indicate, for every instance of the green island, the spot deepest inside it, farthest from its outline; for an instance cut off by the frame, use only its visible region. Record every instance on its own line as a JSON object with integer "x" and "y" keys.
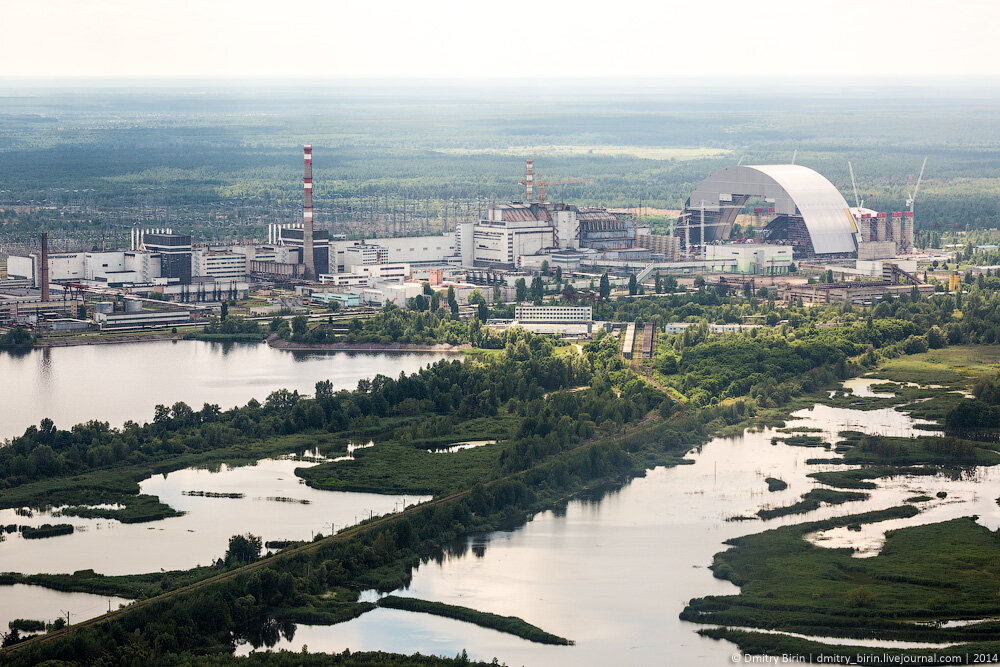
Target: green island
{"x": 561, "y": 420}
{"x": 775, "y": 484}
{"x": 812, "y": 500}
{"x": 509, "y": 624}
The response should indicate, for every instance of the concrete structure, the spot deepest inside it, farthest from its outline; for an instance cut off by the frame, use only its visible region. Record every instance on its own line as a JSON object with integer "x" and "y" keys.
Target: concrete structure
{"x": 751, "y": 258}
{"x": 143, "y": 319}
{"x": 668, "y": 246}
{"x": 219, "y": 264}
{"x": 114, "y": 268}
{"x": 293, "y": 236}
{"x": 414, "y": 250}
{"x": 30, "y": 309}
{"x": 628, "y": 341}
{"x": 510, "y": 232}
{"x": 175, "y": 255}
{"x": 809, "y": 211}
{"x": 308, "y": 255}
{"x": 363, "y": 254}
{"x": 861, "y": 293}
{"x": 571, "y": 320}
{"x": 368, "y": 275}
{"x": 346, "y": 300}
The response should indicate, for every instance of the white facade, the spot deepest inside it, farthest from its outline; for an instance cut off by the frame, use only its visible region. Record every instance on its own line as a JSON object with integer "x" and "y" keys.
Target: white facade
{"x": 505, "y": 242}
{"x": 107, "y": 267}
{"x": 561, "y": 314}
{"x": 567, "y": 228}
{"x": 752, "y": 257}
{"x": 465, "y": 233}
{"x": 344, "y": 279}
{"x": 149, "y": 318}
{"x": 363, "y": 254}
{"x": 405, "y": 249}
{"x": 370, "y": 275}
{"x": 219, "y": 264}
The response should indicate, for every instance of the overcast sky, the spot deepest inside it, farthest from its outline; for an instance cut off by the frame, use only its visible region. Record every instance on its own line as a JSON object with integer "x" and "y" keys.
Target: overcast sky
{"x": 516, "y": 38}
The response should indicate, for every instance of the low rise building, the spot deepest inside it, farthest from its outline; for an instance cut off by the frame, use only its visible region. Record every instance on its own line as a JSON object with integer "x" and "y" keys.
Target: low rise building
{"x": 143, "y": 319}
{"x": 750, "y": 258}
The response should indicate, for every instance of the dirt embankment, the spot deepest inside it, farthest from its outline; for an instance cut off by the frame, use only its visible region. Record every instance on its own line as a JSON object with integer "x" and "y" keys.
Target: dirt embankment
{"x": 105, "y": 340}
{"x": 280, "y": 344}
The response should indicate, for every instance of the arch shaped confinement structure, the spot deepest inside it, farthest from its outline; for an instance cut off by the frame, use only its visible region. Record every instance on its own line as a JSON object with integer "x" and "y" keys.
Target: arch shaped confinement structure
{"x": 795, "y": 192}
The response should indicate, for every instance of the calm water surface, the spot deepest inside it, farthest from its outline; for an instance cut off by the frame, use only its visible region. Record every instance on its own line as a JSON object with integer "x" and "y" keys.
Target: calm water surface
{"x": 42, "y": 604}
{"x": 614, "y": 573}
{"x": 116, "y": 383}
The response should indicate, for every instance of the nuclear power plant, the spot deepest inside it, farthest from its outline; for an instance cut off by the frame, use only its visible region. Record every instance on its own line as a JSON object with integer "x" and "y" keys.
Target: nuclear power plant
{"x": 791, "y": 216}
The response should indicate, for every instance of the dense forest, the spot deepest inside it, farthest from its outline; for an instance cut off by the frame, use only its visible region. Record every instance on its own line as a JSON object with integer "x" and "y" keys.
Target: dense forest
{"x": 87, "y": 165}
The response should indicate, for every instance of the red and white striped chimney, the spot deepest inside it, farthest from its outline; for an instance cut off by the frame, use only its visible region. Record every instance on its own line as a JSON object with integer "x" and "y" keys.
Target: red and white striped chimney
{"x": 308, "y": 257}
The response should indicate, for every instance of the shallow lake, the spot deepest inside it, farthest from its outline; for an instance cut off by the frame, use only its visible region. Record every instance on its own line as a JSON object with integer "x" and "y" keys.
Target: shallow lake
{"x": 614, "y": 572}
{"x": 275, "y": 505}
{"x": 115, "y": 383}
{"x": 42, "y": 604}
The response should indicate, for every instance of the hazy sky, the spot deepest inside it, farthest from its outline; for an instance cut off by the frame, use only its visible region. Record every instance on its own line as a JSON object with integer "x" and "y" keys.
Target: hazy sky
{"x": 515, "y": 38}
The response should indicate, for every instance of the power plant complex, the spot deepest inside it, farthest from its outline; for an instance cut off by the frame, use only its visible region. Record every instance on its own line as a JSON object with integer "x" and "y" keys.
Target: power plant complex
{"x": 797, "y": 216}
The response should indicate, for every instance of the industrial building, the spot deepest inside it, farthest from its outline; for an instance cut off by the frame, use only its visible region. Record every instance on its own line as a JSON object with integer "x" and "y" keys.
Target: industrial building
{"x": 112, "y": 269}
{"x": 562, "y": 320}
{"x": 175, "y": 255}
{"x": 292, "y": 236}
{"x": 750, "y": 258}
{"x": 511, "y": 232}
{"x": 417, "y": 251}
{"x": 29, "y": 309}
{"x": 800, "y": 207}
{"x": 806, "y": 210}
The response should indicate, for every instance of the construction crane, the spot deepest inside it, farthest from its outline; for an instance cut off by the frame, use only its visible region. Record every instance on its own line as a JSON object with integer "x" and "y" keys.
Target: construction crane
{"x": 530, "y": 183}
{"x": 913, "y": 193}
{"x": 857, "y": 200}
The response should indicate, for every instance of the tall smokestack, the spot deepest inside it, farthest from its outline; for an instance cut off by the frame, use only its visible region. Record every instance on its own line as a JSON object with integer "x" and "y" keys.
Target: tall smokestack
{"x": 44, "y": 273}
{"x": 529, "y": 180}
{"x": 308, "y": 257}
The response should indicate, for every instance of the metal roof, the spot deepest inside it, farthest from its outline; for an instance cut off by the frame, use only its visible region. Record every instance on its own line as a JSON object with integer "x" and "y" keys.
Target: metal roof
{"x": 794, "y": 190}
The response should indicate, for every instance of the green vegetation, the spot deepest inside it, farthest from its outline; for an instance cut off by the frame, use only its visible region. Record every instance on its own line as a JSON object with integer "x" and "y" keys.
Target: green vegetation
{"x": 858, "y": 479}
{"x": 16, "y": 339}
{"x": 923, "y": 573}
{"x": 562, "y": 421}
{"x": 800, "y": 441}
{"x": 775, "y": 484}
{"x": 512, "y": 625}
{"x": 46, "y": 530}
{"x": 393, "y": 325}
{"x": 229, "y": 328}
{"x": 812, "y": 500}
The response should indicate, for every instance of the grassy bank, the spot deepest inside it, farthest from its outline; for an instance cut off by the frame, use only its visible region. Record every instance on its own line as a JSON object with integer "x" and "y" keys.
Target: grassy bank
{"x": 512, "y": 625}
{"x": 923, "y": 573}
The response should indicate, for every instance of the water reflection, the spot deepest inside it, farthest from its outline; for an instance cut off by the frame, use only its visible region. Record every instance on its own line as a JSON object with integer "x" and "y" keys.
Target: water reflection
{"x": 227, "y": 501}
{"x": 42, "y": 604}
{"x": 264, "y": 631}
{"x": 613, "y": 568}
{"x": 59, "y": 382}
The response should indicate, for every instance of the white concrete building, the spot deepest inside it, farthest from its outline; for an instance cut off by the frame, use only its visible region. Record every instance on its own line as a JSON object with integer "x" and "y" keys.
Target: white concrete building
{"x": 113, "y": 268}
{"x": 750, "y": 258}
{"x": 146, "y": 318}
{"x": 219, "y": 264}
{"x": 363, "y": 254}
{"x": 510, "y": 231}
{"x": 414, "y": 250}
{"x": 531, "y": 313}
